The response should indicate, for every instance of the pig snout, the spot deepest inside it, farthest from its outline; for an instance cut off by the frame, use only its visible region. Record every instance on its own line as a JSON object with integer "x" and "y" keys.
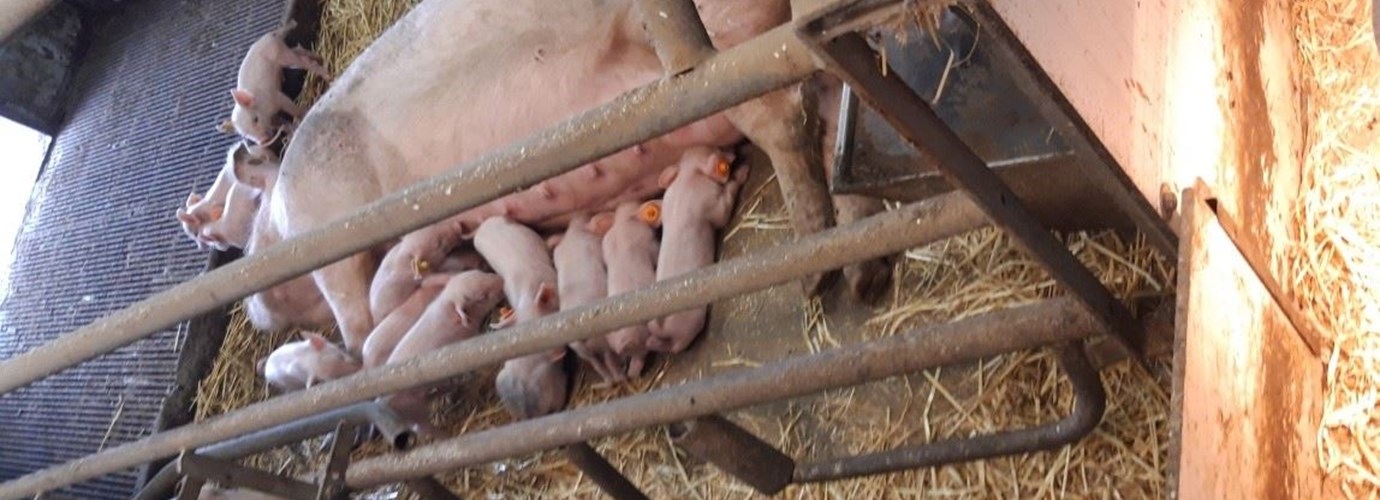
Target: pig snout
{"x": 535, "y": 385}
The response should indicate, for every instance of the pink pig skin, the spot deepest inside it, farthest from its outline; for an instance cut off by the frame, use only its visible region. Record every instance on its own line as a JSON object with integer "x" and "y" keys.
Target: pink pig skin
{"x": 699, "y": 200}
{"x": 258, "y": 93}
{"x": 301, "y": 364}
{"x": 454, "y": 315}
{"x": 201, "y": 215}
{"x": 630, "y": 250}
{"x": 381, "y": 342}
{"x": 398, "y": 274}
{"x": 582, "y": 279}
{"x": 533, "y": 385}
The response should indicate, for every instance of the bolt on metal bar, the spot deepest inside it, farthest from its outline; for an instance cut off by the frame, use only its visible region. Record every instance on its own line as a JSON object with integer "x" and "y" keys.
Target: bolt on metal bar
{"x": 770, "y": 61}
{"x": 1089, "y": 402}
{"x": 1049, "y": 322}
{"x": 677, "y": 33}
{"x": 735, "y": 451}
{"x": 882, "y": 234}
{"x": 603, "y": 473}
{"x": 854, "y": 61}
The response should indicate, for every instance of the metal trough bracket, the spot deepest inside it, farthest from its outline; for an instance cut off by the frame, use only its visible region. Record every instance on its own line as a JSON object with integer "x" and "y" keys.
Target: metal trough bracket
{"x": 847, "y": 54}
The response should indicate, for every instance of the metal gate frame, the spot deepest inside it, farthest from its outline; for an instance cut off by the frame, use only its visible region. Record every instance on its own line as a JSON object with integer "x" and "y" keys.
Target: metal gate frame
{"x": 829, "y": 40}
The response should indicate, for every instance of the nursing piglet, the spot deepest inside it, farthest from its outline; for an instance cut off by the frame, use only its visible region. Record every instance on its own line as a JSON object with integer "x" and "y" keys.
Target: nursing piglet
{"x": 200, "y": 211}
{"x": 581, "y": 279}
{"x": 301, "y": 364}
{"x": 259, "y": 97}
{"x": 384, "y": 339}
{"x": 630, "y": 250}
{"x": 534, "y": 385}
{"x": 454, "y": 315}
{"x": 700, "y": 193}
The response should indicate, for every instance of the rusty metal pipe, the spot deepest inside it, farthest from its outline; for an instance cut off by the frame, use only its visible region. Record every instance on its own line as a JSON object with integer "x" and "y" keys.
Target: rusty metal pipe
{"x": 882, "y": 234}
{"x": 770, "y": 61}
{"x": 736, "y": 451}
{"x": 1048, "y": 322}
{"x": 162, "y": 483}
{"x": 1089, "y": 402}
{"x": 677, "y": 33}
{"x": 603, "y": 473}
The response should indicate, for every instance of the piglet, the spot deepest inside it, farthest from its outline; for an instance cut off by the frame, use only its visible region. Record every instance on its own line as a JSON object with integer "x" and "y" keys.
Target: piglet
{"x": 455, "y": 314}
{"x": 534, "y": 385}
{"x": 259, "y": 96}
{"x": 581, "y": 279}
{"x": 700, "y": 193}
{"x": 384, "y": 339}
{"x": 198, "y": 211}
{"x": 301, "y": 364}
{"x": 236, "y": 223}
{"x": 630, "y": 249}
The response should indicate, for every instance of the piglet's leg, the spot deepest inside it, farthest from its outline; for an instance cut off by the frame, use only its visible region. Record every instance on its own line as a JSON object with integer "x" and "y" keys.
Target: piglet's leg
{"x": 301, "y": 58}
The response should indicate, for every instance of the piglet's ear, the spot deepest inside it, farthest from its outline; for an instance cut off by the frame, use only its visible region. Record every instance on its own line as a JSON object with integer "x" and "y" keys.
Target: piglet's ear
{"x": 556, "y": 355}
{"x": 601, "y": 223}
{"x": 243, "y": 97}
{"x": 314, "y": 339}
{"x": 546, "y": 295}
{"x": 553, "y": 241}
{"x": 668, "y": 175}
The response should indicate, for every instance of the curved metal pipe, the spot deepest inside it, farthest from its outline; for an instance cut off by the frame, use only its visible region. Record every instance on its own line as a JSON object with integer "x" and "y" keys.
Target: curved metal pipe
{"x": 1048, "y": 322}
{"x": 1089, "y": 403}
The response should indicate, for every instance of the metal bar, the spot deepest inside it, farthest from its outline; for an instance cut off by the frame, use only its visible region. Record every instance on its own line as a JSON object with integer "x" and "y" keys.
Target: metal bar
{"x": 428, "y": 488}
{"x": 1089, "y": 402}
{"x": 856, "y": 63}
{"x": 736, "y": 451}
{"x": 397, "y": 432}
{"x": 298, "y": 430}
{"x": 603, "y": 473}
{"x": 332, "y": 484}
{"x": 191, "y": 488}
{"x": 231, "y": 474}
{"x": 677, "y": 33}
{"x": 1048, "y": 322}
{"x": 1052, "y": 103}
{"x": 772, "y": 60}
{"x": 882, "y": 234}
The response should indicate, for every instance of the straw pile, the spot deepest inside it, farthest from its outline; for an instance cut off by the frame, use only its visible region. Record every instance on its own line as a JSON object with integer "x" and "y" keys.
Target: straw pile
{"x": 961, "y": 277}
{"x": 1334, "y": 271}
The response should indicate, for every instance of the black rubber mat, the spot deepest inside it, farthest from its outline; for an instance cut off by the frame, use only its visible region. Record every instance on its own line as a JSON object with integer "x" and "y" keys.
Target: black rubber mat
{"x": 100, "y": 232}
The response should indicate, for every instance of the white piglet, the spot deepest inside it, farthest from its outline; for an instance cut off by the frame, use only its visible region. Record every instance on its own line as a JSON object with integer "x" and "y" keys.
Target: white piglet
{"x": 259, "y": 97}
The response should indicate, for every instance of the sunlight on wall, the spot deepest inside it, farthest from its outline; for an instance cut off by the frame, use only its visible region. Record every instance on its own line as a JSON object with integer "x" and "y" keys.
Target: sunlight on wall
{"x": 21, "y": 155}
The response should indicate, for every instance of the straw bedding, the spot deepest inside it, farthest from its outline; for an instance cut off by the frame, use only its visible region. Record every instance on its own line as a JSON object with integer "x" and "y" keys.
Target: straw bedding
{"x": 960, "y": 277}
{"x": 1334, "y": 270}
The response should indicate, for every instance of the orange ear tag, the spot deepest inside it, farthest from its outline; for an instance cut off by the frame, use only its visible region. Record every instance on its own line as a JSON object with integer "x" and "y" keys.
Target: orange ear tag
{"x": 651, "y": 212}
{"x": 722, "y": 169}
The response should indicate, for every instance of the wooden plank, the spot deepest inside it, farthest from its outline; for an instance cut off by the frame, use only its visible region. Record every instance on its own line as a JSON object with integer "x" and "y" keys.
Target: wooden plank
{"x": 1248, "y": 391}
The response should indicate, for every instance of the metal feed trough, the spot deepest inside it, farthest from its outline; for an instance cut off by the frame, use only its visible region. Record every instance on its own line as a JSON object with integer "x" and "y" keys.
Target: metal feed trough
{"x": 994, "y": 177}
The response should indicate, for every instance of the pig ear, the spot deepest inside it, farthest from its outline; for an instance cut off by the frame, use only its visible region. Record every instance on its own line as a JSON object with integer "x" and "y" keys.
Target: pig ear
{"x": 601, "y": 223}
{"x": 316, "y": 341}
{"x": 719, "y": 167}
{"x": 249, "y": 170}
{"x": 554, "y": 240}
{"x": 651, "y": 212}
{"x": 556, "y": 355}
{"x": 546, "y": 295}
{"x": 185, "y": 218}
{"x": 192, "y": 199}
{"x": 668, "y": 175}
{"x": 243, "y": 97}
